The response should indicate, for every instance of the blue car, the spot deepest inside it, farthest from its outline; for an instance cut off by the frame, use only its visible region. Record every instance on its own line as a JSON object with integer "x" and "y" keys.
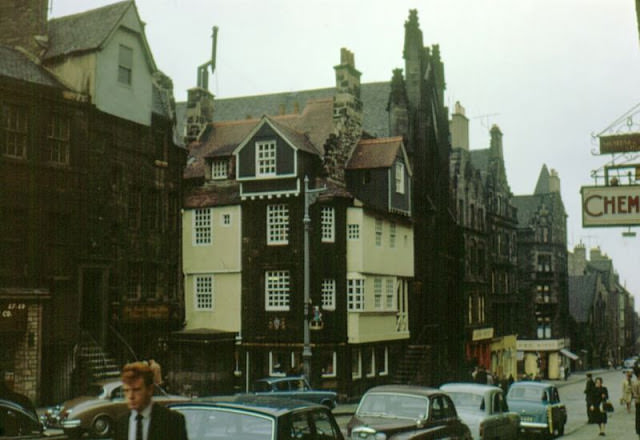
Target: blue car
{"x": 539, "y": 406}
{"x": 294, "y": 387}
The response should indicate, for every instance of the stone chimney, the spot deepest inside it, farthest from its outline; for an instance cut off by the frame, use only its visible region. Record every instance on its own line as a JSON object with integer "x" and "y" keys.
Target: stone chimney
{"x": 198, "y": 114}
{"x": 578, "y": 260}
{"x": 346, "y": 102}
{"x": 23, "y": 24}
{"x": 398, "y": 106}
{"x": 459, "y": 128}
{"x": 595, "y": 254}
{"x": 554, "y": 181}
{"x": 496, "y": 141}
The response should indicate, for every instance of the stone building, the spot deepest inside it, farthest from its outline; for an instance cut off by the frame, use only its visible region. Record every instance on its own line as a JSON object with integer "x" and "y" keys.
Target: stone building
{"x": 543, "y": 334}
{"x": 91, "y": 188}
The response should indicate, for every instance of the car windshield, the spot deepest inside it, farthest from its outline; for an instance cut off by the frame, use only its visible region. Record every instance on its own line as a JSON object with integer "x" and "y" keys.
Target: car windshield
{"x": 94, "y": 390}
{"x": 467, "y": 400}
{"x": 532, "y": 394}
{"x": 400, "y": 406}
{"x": 221, "y": 423}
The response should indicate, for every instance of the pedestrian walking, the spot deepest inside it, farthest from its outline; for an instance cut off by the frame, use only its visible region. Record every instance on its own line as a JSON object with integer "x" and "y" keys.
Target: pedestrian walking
{"x": 145, "y": 419}
{"x": 599, "y": 397}
{"x": 627, "y": 393}
{"x": 588, "y": 391}
{"x": 157, "y": 372}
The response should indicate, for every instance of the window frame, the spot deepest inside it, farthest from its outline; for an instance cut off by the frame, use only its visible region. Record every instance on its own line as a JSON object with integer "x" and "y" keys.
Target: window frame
{"x": 353, "y": 231}
{"x": 266, "y": 157}
{"x": 219, "y": 169}
{"x": 277, "y": 298}
{"x": 399, "y": 177}
{"x": 125, "y": 65}
{"x": 202, "y": 234}
{"x": 206, "y": 305}
{"x": 355, "y": 294}
{"x": 334, "y": 366}
{"x": 328, "y": 294}
{"x": 357, "y": 374}
{"x": 15, "y": 126}
{"x": 328, "y": 224}
{"x": 379, "y": 231}
{"x": 277, "y": 217}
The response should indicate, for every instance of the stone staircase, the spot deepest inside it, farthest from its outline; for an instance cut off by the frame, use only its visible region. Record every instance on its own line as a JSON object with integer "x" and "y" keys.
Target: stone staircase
{"x": 93, "y": 362}
{"x": 415, "y": 366}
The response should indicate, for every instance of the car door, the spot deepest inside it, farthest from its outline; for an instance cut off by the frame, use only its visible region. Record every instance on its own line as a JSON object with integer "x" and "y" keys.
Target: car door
{"x": 558, "y": 411}
{"x": 442, "y": 421}
{"x": 325, "y": 426}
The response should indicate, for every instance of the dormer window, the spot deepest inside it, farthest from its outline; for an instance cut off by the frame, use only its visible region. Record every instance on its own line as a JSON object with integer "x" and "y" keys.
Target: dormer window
{"x": 399, "y": 177}
{"x": 125, "y": 65}
{"x": 265, "y": 158}
{"x": 219, "y": 169}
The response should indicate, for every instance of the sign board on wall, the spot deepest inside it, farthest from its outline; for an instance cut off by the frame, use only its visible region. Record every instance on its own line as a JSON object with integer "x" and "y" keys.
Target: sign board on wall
{"x": 610, "y": 205}
{"x": 620, "y": 143}
{"x": 13, "y": 316}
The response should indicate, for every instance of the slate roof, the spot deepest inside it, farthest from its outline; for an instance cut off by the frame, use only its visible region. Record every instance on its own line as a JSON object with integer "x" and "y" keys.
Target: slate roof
{"x": 542, "y": 186}
{"x": 15, "y": 64}
{"x": 308, "y": 131}
{"x": 582, "y": 291}
{"x": 480, "y": 160}
{"x": 375, "y": 153}
{"x": 225, "y": 193}
{"x": 374, "y": 97}
{"x": 528, "y": 206}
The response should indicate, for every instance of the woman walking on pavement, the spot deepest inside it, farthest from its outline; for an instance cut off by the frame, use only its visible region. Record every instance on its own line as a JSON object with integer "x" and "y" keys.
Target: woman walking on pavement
{"x": 627, "y": 394}
{"x": 599, "y": 396}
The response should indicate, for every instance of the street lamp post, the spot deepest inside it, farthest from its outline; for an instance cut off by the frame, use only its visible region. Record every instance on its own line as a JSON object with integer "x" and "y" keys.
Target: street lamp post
{"x": 310, "y": 196}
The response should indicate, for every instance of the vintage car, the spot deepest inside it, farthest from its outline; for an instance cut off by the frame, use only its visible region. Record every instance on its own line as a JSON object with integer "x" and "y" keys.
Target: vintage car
{"x": 254, "y": 417}
{"x": 96, "y": 411}
{"x": 484, "y": 410}
{"x": 539, "y": 407}
{"x": 295, "y": 387}
{"x": 407, "y": 412}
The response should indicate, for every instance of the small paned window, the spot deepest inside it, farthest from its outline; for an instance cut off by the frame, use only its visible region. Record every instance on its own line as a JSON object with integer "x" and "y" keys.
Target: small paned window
{"x": 204, "y": 292}
{"x": 377, "y": 293}
{"x": 392, "y": 235}
{"x": 329, "y": 363}
{"x": 14, "y": 125}
{"x": 328, "y": 294}
{"x": 356, "y": 364}
{"x": 353, "y": 231}
{"x": 328, "y": 224}
{"x": 277, "y": 290}
{"x": 389, "y": 293}
{"x": 58, "y": 135}
{"x": 219, "y": 169}
{"x": 125, "y": 65}
{"x": 202, "y": 231}
{"x": 355, "y": 294}
{"x": 399, "y": 177}
{"x": 277, "y": 224}
{"x": 378, "y": 232}
{"x": 544, "y": 263}
{"x": 226, "y": 219}
{"x": 265, "y": 158}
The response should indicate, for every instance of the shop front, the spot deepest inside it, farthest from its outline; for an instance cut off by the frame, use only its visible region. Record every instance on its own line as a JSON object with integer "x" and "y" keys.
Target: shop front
{"x": 478, "y": 348}
{"x": 504, "y": 360}
{"x": 544, "y": 359}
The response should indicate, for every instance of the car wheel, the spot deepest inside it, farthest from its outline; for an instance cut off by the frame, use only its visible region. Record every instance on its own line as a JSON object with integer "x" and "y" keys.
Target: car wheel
{"x": 102, "y": 426}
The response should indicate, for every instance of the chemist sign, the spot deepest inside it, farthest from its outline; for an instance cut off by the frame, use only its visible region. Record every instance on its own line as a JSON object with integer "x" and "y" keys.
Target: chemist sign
{"x": 610, "y": 205}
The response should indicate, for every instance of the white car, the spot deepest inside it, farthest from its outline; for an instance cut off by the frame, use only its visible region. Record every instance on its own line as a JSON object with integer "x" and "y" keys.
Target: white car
{"x": 483, "y": 408}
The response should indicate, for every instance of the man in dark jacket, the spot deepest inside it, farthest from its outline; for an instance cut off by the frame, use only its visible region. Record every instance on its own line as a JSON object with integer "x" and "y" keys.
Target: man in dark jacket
{"x": 588, "y": 391}
{"x": 146, "y": 420}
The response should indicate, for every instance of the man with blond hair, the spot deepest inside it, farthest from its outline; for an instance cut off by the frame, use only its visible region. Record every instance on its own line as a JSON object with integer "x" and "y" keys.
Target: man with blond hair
{"x": 146, "y": 420}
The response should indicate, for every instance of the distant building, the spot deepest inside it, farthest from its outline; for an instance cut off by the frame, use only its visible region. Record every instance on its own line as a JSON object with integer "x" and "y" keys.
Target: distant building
{"x": 91, "y": 195}
{"x": 543, "y": 335}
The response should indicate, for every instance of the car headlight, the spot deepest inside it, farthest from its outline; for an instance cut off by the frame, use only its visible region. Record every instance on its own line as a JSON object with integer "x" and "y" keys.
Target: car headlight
{"x": 365, "y": 432}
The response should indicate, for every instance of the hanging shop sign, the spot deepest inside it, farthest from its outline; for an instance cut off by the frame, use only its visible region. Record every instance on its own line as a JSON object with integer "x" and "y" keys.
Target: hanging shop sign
{"x": 610, "y": 205}
{"x": 620, "y": 143}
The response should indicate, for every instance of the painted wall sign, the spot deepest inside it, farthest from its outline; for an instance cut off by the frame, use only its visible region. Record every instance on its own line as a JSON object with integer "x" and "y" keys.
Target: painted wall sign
{"x": 610, "y": 205}
{"x": 13, "y": 316}
{"x": 620, "y": 143}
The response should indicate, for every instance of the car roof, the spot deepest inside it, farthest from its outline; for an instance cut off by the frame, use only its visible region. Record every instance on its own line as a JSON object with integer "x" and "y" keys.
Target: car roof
{"x": 531, "y": 384}
{"x": 405, "y": 389}
{"x": 15, "y": 406}
{"x": 280, "y": 379}
{"x": 274, "y": 406}
{"x": 469, "y": 387}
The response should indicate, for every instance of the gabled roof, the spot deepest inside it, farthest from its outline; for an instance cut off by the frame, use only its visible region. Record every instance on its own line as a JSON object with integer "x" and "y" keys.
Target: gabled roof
{"x": 480, "y": 159}
{"x": 376, "y": 153}
{"x": 88, "y": 31}
{"x": 582, "y": 291}
{"x": 528, "y": 206}
{"x": 307, "y": 131}
{"x": 15, "y": 64}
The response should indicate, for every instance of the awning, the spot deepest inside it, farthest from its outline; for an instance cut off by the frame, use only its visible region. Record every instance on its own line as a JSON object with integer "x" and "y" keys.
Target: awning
{"x": 568, "y": 354}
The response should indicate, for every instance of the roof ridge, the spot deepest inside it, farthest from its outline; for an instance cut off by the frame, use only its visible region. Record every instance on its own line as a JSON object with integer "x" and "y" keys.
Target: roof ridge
{"x": 90, "y": 11}
{"x": 382, "y": 140}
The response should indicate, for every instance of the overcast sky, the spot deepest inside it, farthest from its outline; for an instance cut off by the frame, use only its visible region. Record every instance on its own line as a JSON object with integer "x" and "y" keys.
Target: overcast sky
{"x": 550, "y": 73}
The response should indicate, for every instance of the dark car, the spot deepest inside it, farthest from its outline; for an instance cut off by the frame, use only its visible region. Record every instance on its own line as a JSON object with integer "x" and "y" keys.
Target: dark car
{"x": 20, "y": 421}
{"x": 407, "y": 412}
{"x": 539, "y": 406}
{"x": 96, "y": 411}
{"x": 259, "y": 418}
{"x": 295, "y": 387}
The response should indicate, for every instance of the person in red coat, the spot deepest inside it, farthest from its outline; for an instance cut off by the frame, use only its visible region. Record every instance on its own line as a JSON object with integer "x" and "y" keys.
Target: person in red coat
{"x": 146, "y": 420}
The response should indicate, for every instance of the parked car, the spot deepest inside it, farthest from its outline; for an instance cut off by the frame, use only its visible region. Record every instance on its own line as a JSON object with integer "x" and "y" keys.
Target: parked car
{"x": 18, "y": 421}
{"x": 295, "y": 387}
{"x": 408, "y": 412}
{"x": 483, "y": 408}
{"x": 629, "y": 363}
{"x": 539, "y": 407}
{"x": 259, "y": 418}
{"x": 96, "y": 411}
